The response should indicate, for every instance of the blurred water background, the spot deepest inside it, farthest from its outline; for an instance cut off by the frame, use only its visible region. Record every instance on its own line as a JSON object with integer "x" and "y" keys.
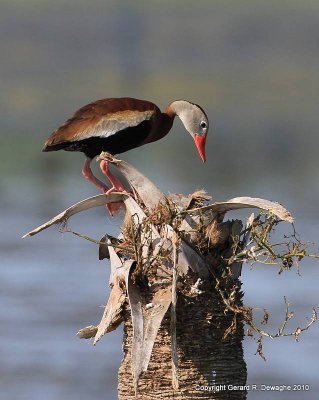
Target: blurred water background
{"x": 252, "y": 65}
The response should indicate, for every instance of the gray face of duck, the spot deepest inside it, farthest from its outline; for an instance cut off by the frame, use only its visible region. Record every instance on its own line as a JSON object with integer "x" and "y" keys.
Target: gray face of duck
{"x": 195, "y": 121}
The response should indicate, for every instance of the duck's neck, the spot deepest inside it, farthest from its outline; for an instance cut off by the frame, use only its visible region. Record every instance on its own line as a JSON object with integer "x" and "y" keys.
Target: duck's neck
{"x": 167, "y": 119}
{"x": 164, "y": 120}
{"x": 162, "y": 124}
{"x": 177, "y": 107}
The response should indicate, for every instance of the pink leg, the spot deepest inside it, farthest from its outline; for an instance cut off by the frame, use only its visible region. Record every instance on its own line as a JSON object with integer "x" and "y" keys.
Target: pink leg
{"x": 88, "y": 174}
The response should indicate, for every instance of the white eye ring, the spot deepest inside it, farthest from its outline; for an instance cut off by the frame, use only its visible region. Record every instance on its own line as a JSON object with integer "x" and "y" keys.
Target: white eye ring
{"x": 203, "y": 124}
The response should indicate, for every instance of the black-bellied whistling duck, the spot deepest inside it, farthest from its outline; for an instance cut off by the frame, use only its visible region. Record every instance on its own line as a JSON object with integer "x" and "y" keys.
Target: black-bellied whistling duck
{"x": 121, "y": 124}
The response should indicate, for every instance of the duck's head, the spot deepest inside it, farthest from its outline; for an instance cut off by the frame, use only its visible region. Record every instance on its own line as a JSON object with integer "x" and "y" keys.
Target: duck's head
{"x": 195, "y": 121}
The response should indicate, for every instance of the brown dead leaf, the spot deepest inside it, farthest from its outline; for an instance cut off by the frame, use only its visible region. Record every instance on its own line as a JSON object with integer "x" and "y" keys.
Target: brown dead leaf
{"x": 247, "y": 202}
{"x": 91, "y": 202}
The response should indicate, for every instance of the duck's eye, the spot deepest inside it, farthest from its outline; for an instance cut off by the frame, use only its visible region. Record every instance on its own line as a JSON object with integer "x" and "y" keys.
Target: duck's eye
{"x": 203, "y": 124}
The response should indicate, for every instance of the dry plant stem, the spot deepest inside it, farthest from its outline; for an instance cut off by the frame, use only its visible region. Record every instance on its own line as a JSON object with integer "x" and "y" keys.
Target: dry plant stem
{"x": 282, "y": 329}
{"x": 260, "y": 249}
{"x": 173, "y": 316}
{"x": 95, "y": 241}
{"x": 108, "y": 157}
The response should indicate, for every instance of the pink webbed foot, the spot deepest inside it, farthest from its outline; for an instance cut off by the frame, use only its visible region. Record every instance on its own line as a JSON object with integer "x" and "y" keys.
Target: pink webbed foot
{"x": 116, "y": 184}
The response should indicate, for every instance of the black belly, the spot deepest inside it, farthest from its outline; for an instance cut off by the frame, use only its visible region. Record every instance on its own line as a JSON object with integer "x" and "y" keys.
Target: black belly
{"x": 120, "y": 142}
